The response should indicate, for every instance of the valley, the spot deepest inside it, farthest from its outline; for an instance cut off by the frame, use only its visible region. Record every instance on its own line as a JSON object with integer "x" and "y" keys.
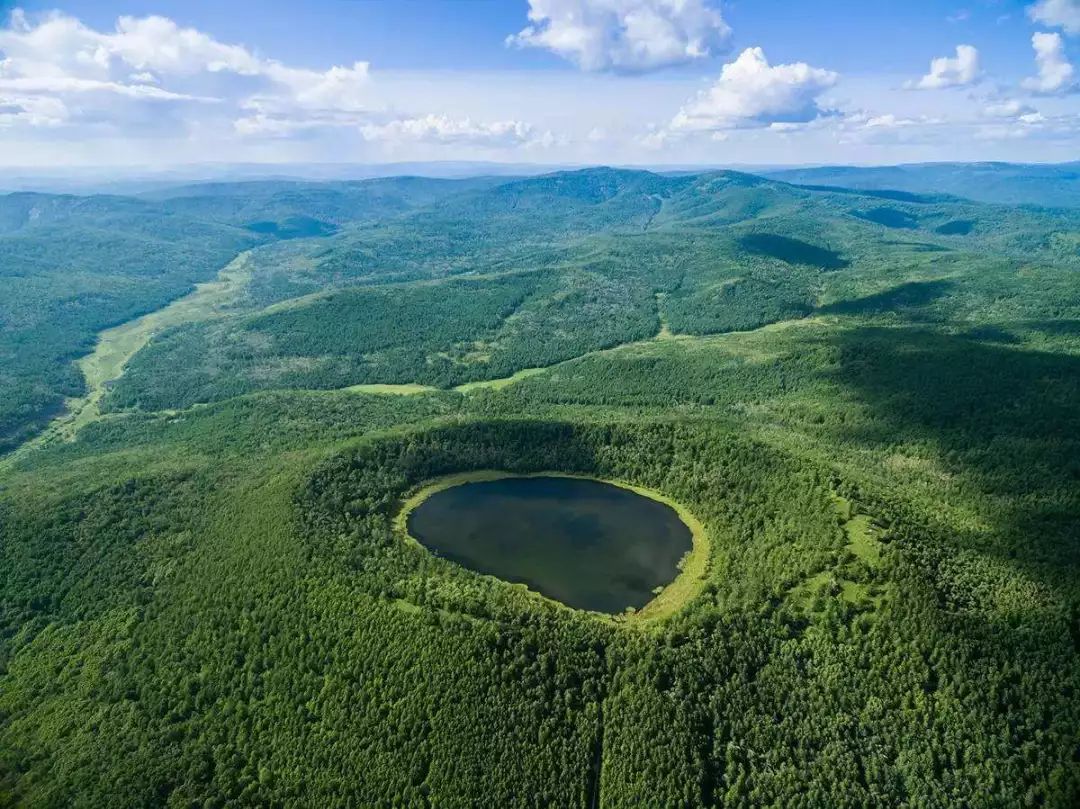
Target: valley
{"x": 214, "y": 590}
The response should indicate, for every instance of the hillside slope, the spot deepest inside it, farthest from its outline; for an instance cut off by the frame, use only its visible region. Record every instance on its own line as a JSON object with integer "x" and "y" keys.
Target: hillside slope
{"x": 534, "y": 272}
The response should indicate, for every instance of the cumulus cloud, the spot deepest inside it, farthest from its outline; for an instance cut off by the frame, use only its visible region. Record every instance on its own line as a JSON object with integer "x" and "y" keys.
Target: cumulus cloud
{"x": 751, "y": 93}
{"x": 1055, "y": 72}
{"x": 1057, "y": 13}
{"x": 339, "y": 88}
{"x": 57, "y": 71}
{"x": 1000, "y": 120}
{"x": 61, "y": 46}
{"x": 951, "y": 71}
{"x": 154, "y": 59}
{"x": 624, "y": 35}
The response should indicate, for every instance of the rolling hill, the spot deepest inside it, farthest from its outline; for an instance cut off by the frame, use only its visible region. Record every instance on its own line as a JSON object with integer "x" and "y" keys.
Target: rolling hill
{"x": 865, "y": 398}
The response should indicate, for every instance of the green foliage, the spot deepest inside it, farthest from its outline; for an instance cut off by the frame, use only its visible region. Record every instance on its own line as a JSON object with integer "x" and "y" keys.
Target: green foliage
{"x": 611, "y": 256}
{"x": 437, "y": 334}
{"x": 71, "y": 267}
{"x": 209, "y": 604}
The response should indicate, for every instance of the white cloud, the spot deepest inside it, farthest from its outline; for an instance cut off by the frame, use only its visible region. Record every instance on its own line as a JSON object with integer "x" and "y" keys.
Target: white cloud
{"x": 751, "y": 93}
{"x": 889, "y": 121}
{"x": 339, "y": 88}
{"x": 136, "y": 92}
{"x": 443, "y": 129}
{"x": 1058, "y": 13}
{"x": 60, "y": 45}
{"x": 951, "y": 71}
{"x": 154, "y": 59}
{"x": 1011, "y": 108}
{"x": 158, "y": 43}
{"x": 431, "y": 129}
{"x": 47, "y": 64}
{"x": 546, "y": 140}
{"x": 139, "y": 80}
{"x": 1060, "y": 128}
{"x": 655, "y": 139}
{"x": 61, "y": 85}
{"x": 624, "y": 35}
{"x": 268, "y": 124}
{"x": 1055, "y": 72}
{"x": 867, "y": 126}
{"x": 31, "y": 111}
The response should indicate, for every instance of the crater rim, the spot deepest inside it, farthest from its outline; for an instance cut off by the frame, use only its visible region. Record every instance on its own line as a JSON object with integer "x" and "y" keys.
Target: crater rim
{"x": 673, "y": 596}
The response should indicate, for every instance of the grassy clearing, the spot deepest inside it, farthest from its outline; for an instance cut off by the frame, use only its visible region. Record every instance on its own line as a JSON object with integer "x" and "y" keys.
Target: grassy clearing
{"x": 503, "y": 382}
{"x": 390, "y": 390}
{"x": 861, "y": 543}
{"x": 116, "y": 346}
{"x": 673, "y": 597}
{"x": 861, "y": 540}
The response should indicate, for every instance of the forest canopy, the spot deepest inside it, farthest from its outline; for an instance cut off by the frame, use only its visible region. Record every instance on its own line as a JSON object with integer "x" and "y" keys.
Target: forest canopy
{"x": 867, "y": 398}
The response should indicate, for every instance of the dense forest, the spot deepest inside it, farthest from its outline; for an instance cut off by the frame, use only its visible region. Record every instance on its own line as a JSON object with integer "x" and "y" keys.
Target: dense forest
{"x": 867, "y": 398}
{"x": 73, "y": 266}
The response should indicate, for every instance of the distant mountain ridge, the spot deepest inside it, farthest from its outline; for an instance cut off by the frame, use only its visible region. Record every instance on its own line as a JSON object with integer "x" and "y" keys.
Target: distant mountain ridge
{"x": 1045, "y": 185}
{"x": 74, "y": 265}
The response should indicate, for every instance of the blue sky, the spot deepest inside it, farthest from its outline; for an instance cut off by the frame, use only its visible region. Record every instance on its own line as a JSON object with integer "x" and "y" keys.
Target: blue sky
{"x": 880, "y": 36}
{"x": 548, "y": 81}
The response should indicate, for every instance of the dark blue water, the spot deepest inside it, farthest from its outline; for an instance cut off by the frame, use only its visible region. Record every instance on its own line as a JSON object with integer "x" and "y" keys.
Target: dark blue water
{"x": 588, "y": 544}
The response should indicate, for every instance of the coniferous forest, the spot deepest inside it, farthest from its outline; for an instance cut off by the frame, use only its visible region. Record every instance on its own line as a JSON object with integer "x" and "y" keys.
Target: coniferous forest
{"x": 217, "y": 399}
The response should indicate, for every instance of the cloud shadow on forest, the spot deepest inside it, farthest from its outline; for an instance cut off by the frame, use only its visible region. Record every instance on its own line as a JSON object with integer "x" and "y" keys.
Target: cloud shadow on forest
{"x": 1004, "y": 420}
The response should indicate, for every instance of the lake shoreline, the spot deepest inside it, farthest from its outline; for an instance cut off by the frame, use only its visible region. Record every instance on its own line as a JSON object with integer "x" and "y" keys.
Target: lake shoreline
{"x": 686, "y": 585}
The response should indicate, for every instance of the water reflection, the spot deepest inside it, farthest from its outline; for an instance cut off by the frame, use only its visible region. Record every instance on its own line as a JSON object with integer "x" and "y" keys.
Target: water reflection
{"x": 587, "y": 544}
